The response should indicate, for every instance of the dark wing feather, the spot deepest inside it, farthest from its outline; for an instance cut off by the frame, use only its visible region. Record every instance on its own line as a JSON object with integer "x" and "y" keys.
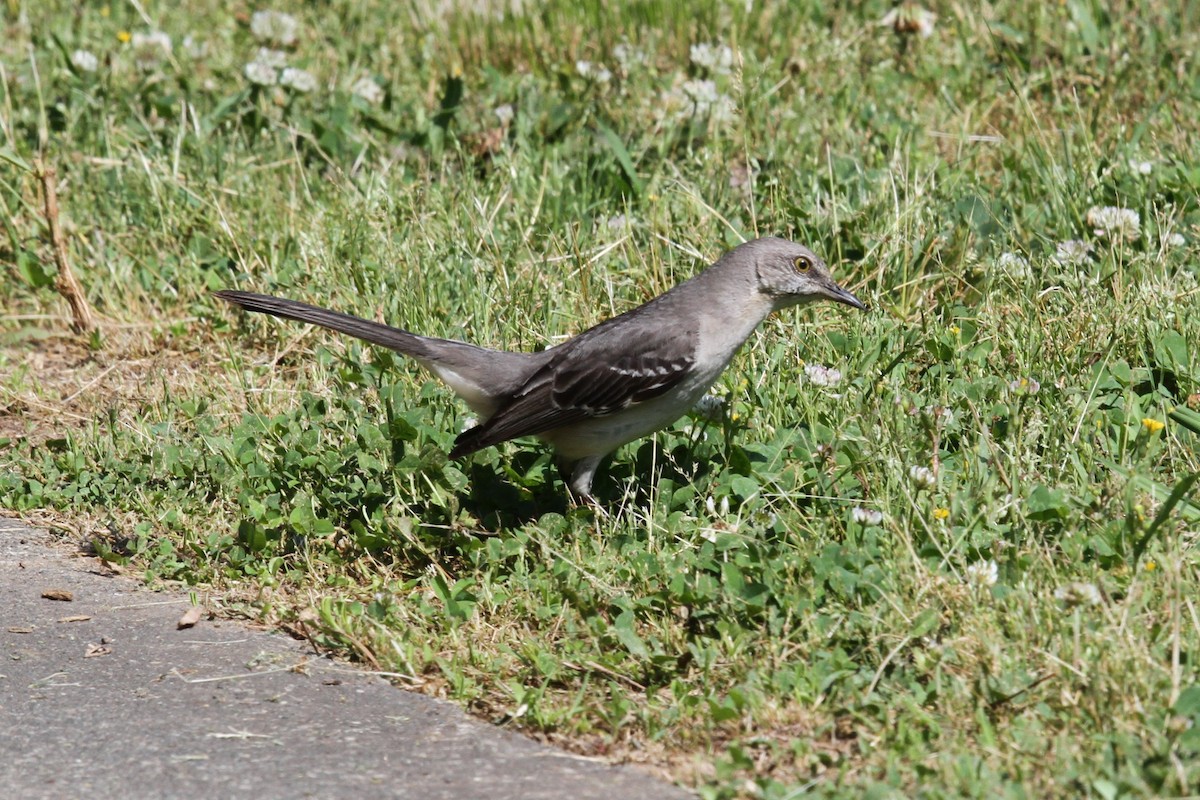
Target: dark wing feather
{"x": 589, "y": 378}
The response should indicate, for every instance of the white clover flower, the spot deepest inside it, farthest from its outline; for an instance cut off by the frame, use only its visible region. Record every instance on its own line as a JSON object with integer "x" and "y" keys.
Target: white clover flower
{"x": 1025, "y": 386}
{"x": 628, "y": 56}
{"x": 716, "y": 58}
{"x": 368, "y": 90}
{"x": 819, "y": 375}
{"x": 707, "y": 100}
{"x": 709, "y": 407}
{"x": 298, "y": 80}
{"x": 619, "y": 222}
{"x": 274, "y": 27}
{"x": 1071, "y": 252}
{"x": 1014, "y": 264}
{"x": 1078, "y": 593}
{"x": 982, "y": 574}
{"x": 922, "y": 477}
{"x": 261, "y": 74}
{"x": 703, "y": 93}
{"x": 85, "y": 61}
{"x": 150, "y": 49}
{"x": 272, "y": 58}
{"x": 195, "y": 48}
{"x": 910, "y": 18}
{"x": 1141, "y": 167}
{"x": 1118, "y": 224}
{"x": 717, "y": 511}
{"x": 1175, "y": 240}
{"x": 603, "y": 75}
{"x": 866, "y": 516}
{"x": 583, "y": 69}
{"x": 504, "y": 113}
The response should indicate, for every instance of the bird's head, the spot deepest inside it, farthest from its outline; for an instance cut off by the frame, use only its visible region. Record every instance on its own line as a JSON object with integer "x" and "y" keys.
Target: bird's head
{"x": 791, "y": 274}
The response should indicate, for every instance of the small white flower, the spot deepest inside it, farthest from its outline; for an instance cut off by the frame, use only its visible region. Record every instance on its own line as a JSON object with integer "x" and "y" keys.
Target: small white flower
{"x": 603, "y": 75}
{"x": 1141, "y": 167}
{"x": 274, "y": 27}
{"x": 716, "y": 58}
{"x": 84, "y": 61}
{"x": 261, "y": 74}
{"x": 909, "y": 18}
{"x": 618, "y": 223}
{"x": 819, "y": 375}
{"x": 1078, "y": 593}
{"x": 504, "y": 113}
{"x": 707, "y": 100}
{"x": 583, "y": 68}
{"x": 709, "y": 407}
{"x": 717, "y": 511}
{"x": 1118, "y": 224}
{"x": 1025, "y": 386}
{"x": 1071, "y": 252}
{"x": 272, "y": 58}
{"x": 1014, "y": 264}
{"x": 866, "y": 516}
{"x": 1175, "y": 240}
{"x": 982, "y": 574}
{"x": 298, "y": 80}
{"x": 368, "y": 90}
{"x": 150, "y": 49}
{"x": 195, "y": 48}
{"x": 923, "y": 477}
{"x": 628, "y": 56}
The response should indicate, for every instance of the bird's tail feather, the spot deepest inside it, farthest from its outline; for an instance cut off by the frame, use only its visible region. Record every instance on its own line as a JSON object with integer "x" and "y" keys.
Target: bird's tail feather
{"x": 377, "y": 333}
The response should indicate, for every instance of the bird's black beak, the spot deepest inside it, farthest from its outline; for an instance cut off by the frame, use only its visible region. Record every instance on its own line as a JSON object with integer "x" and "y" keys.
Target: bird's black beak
{"x": 843, "y": 296}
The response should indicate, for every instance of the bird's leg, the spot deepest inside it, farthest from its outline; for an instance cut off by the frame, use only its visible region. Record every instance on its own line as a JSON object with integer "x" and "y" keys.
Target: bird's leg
{"x": 577, "y": 475}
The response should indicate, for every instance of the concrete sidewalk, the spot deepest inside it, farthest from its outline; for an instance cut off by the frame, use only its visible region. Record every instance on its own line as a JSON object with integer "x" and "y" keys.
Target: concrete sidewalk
{"x": 123, "y": 705}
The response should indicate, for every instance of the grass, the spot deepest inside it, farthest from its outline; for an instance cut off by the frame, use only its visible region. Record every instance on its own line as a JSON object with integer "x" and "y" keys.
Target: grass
{"x": 733, "y": 622}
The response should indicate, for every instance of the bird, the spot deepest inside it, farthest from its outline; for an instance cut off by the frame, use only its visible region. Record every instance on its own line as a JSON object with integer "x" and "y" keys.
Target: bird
{"x": 618, "y": 381}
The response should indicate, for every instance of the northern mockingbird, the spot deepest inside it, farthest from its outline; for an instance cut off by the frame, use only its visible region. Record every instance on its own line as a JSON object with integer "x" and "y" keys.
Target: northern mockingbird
{"x": 619, "y": 381}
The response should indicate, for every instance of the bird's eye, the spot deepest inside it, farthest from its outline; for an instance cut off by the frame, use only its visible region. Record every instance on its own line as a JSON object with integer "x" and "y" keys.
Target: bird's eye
{"x": 802, "y": 263}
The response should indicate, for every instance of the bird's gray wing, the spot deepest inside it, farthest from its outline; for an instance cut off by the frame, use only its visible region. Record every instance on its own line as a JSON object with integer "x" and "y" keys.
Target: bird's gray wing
{"x": 597, "y": 374}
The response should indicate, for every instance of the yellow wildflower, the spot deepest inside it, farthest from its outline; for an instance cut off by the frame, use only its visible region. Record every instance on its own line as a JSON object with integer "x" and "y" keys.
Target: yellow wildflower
{"x": 941, "y": 513}
{"x": 123, "y": 37}
{"x": 1151, "y": 566}
{"x": 1152, "y": 426}
{"x": 954, "y": 329}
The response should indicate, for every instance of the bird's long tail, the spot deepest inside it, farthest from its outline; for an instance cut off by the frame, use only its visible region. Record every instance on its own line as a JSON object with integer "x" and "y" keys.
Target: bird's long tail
{"x": 377, "y": 333}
